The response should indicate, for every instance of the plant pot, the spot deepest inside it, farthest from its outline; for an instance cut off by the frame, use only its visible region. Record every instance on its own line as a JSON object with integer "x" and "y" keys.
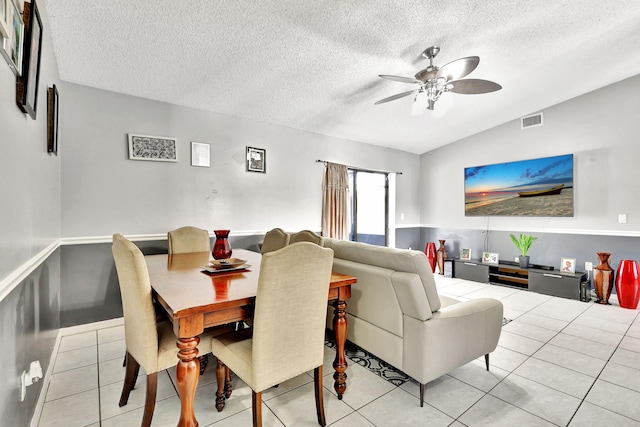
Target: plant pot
{"x": 524, "y": 261}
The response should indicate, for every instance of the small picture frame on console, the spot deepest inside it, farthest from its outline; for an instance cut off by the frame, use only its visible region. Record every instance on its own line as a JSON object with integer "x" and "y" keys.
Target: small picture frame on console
{"x": 568, "y": 265}
{"x": 490, "y": 258}
{"x": 465, "y": 254}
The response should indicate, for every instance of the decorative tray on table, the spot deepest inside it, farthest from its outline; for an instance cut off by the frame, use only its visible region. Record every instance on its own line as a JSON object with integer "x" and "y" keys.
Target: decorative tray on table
{"x": 226, "y": 265}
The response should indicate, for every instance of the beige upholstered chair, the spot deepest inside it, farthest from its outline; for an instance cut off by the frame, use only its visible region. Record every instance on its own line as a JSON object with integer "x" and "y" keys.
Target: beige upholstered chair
{"x": 288, "y": 328}
{"x": 274, "y": 239}
{"x": 150, "y": 344}
{"x": 305, "y": 236}
{"x": 188, "y": 239}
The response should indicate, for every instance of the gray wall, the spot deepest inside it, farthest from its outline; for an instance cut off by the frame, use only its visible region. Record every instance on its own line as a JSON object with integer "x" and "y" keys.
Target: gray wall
{"x": 29, "y": 226}
{"x": 600, "y": 130}
{"x": 104, "y": 192}
{"x": 30, "y": 190}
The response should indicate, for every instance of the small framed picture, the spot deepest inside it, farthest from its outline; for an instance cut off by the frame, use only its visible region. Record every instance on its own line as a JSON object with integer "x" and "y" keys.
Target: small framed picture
{"x": 256, "y": 160}
{"x": 200, "y": 154}
{"x": 490, "y": 258}
{"x": 155, "y": 148}
{"x": 465, "y": 254}
{"x": 52, "y": 120}
{"x": 568, "y": 265}
{"x": 11, "y": 43}
{"x": 28, "y": 82}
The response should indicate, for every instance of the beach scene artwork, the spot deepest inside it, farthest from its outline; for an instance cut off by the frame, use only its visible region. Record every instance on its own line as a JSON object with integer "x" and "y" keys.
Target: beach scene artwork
{"x": 535, "y": 187}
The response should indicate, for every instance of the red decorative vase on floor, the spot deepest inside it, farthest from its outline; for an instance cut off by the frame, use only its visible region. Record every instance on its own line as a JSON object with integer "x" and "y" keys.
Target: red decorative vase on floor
{"x": 430, "y": 250}
{"x": 603, "y": 276}
{"x": 441, "y": 256}
{"x": 221, "y": 247}
{"x": 628, "y": 284}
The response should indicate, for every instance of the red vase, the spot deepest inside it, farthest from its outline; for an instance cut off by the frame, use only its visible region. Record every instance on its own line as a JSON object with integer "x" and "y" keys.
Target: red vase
{"x": 441, "y": 255}
{"x": 603, "y": 276}
{"x": 221, "y": 247}
{"x": 430, "y": 251}
{"x": 628, "y": 284}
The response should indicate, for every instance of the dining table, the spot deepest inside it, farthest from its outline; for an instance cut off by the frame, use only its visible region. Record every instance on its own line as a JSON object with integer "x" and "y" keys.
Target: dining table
{"x": 195, "y": 297}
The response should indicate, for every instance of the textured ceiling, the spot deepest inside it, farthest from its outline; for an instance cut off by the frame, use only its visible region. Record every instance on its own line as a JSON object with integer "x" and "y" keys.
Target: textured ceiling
{"x": 314, "y": 65}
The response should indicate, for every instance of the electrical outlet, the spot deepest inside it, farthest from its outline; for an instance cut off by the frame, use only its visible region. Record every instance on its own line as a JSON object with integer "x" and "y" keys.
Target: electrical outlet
{"x": 517, "y": 259}
{"x": 588, "y": 266}
{"x": 622, "y": 218}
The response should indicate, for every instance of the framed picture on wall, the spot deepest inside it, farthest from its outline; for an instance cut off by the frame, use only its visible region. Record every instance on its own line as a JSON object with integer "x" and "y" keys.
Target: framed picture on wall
{"x": 27, "y": 85}
{"x": 154, "y": 148}
{"x": 52, "y": 120}
{"x": 11, "y": 45}
{"x": 200, "y": 154}
{"x": 256, "y": 160}
{"x": 465, "y": 254}
{"x": 4, "y": 20}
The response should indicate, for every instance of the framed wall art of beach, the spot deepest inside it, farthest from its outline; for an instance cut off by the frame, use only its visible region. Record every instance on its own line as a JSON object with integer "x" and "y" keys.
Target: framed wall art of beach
{"x": 535, "y": 187}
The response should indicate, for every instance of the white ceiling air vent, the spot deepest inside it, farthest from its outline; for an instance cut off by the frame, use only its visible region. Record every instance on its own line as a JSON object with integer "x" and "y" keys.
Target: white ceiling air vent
{"x": 531, "y": 121}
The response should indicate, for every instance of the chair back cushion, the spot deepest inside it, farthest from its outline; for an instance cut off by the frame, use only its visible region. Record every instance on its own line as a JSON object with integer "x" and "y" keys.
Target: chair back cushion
{"x": 141, "y": 334}
{"x": 290, "y": 312}
{"x": 305, "y": 236}
{"x": 188, "y": 239}
{"x": 274, "y": 239}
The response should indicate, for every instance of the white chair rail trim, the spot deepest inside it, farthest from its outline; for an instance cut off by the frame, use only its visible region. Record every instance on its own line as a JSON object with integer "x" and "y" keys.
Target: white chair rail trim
{"x": 10, "y": 282}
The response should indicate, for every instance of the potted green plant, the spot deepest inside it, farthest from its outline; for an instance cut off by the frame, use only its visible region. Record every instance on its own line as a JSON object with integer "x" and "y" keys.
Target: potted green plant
{"x": 523, "y": 243}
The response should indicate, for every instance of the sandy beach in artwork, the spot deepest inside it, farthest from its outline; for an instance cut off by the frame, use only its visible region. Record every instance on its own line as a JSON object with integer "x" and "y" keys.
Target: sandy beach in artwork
{"x": 553, "y": 205}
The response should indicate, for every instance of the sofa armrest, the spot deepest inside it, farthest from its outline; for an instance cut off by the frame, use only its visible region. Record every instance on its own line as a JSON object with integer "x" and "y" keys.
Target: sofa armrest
{"x": 411, "y": 295}
{"x": 455, "y": 335}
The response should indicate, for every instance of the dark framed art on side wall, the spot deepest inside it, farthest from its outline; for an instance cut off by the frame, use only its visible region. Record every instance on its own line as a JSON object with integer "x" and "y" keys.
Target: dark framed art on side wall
{"x": 27, "y": 84}
{"x": 52, "y": 120}
{"x": 256, "y": 160}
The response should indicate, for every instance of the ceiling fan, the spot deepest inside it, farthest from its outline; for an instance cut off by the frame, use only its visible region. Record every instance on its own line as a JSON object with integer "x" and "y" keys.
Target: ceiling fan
{"x": 434, "y": 81}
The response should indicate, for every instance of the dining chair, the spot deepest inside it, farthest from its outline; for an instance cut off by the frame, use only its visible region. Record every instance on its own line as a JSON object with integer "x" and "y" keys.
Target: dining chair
{"x": 287, "y": 338}
{"x": 274, "y": 239}
{"x": 188, "y": 239}
{"x": 305, "y": 236}
{"x": 149, "y": 343}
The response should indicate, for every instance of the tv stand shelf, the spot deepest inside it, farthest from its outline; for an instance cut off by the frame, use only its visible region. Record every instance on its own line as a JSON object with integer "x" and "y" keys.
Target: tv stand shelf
{"x": 536, "y": 278}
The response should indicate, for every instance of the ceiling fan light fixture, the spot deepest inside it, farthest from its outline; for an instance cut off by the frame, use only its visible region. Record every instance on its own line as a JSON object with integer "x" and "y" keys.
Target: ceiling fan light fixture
{"x": 433, "y": 81}
{"x": 419, "y": 104}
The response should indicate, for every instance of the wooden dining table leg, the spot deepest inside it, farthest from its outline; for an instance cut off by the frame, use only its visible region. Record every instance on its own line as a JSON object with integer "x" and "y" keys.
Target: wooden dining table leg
{"x": 187, "y": 373}
{"x": 340, "y": 331}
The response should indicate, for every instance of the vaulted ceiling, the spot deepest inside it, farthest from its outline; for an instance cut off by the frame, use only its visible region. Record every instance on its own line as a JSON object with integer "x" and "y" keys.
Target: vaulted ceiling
{"x": 314, "y": 65}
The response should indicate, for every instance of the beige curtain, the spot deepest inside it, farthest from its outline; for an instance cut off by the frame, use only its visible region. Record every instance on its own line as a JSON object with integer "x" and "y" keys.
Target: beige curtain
{"x": 335, "y": 190}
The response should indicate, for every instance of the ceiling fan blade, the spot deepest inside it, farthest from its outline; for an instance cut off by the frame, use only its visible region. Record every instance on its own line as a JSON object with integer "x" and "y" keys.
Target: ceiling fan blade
{"x": 473, "y": 86}
{"x": 400, "y": 79}
{"x": 459, "y": 68}
{"x": 396, "y": 96}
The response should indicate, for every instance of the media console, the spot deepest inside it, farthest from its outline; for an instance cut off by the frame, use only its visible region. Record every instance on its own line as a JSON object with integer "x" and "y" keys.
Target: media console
{"x": 540, "y": 279}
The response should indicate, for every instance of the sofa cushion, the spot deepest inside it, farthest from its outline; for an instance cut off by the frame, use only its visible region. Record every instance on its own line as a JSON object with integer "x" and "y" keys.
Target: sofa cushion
{"x": 405, "y": 260}
{"x": 372, "y": 292}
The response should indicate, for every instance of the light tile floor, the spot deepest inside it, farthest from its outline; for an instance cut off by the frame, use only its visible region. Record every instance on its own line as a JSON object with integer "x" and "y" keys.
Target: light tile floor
{"x": 559, "y": 362}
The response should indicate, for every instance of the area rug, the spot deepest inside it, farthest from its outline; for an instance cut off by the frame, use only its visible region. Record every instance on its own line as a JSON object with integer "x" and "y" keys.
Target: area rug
{"x": 375, "y": 365}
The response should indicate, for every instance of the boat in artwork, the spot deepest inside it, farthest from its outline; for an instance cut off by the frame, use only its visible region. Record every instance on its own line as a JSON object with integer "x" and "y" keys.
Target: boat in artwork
{"x": 544, "y": 192}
